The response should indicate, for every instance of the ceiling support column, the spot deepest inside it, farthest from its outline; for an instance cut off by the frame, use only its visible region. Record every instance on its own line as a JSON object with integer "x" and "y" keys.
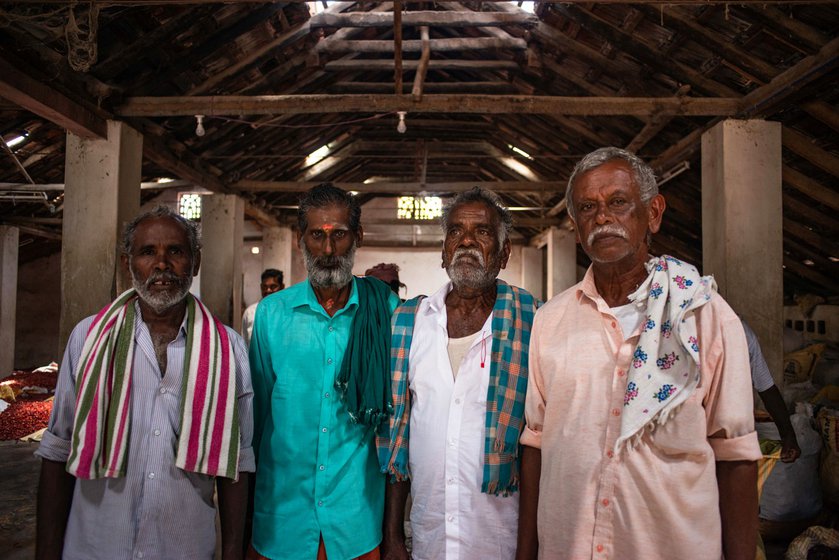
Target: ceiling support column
{"x": 222, "y": 226}
{"x": 742, "y": 226}
{"x": 101, "y": 195}
{"x": 533, "y": 272}
{"x": 276, "y": 250}
{"x": 562, "y": 261}
{"x": 9, "y": 239}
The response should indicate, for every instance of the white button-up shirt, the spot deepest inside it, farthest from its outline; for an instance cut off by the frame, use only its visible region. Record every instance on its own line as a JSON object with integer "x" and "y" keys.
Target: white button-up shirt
{"x": 450, "y": 517}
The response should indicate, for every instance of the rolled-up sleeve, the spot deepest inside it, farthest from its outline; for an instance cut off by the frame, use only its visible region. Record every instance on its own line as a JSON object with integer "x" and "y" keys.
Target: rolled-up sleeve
{"x": 55, "y": 444}
{"x": 725, "y": 368}
{"x": 244, "y": 402}
{"x": 534, "y": 408}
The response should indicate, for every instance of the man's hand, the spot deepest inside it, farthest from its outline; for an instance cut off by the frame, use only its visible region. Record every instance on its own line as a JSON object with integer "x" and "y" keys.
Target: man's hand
{"x": 789, "y": 449}
{"x": 55, "y": 495}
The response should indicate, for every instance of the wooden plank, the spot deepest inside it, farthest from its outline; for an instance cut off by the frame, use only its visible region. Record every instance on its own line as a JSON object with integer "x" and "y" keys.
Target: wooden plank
{"x": 397, "y": 46}
{"x": 39, "y": 98}
{"x": 811, "y": 188}
{"x": 428, "y": 18}
{"x": 822, "y": 243}
{"x": 804, "y": 147}
{"x": 331, "y": 46}
{"x": 493, "y": 104}
{"x": 292, "y": 35}
{"x": 422, "y": 69}
{"x": 822, "y": 112}
{"x": 765, "y": 98}
{"x": 428, "y": 87}
{"x": 362, "y": 65}
{"x": 404, "y": 188}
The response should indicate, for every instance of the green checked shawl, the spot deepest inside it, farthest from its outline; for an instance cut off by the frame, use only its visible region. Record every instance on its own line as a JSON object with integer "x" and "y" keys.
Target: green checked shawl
{"x": 511, "y": 322}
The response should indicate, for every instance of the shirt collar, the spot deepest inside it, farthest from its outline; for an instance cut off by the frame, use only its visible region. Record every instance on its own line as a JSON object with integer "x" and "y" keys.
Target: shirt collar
{"x": 138, "y": 319}
{"x": 308, "y": 298}
{"x": 437, "y": 307}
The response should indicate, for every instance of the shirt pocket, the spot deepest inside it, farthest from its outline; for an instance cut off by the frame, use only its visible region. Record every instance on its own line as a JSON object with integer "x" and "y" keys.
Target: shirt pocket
{"x": 685, "y": 432}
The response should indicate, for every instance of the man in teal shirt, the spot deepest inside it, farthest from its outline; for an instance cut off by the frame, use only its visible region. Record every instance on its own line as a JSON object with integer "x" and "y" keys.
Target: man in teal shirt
{"x": 320, "y": 366}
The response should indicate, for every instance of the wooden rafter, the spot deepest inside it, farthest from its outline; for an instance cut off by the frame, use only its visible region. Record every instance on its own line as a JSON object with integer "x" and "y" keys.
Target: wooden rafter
{"x": 804, "y": 147}
{"x": 493, "y": 104}
{"x": 428, "y": 18}
{"x": 406, "y": 187}
{"x": 414, "y": 45}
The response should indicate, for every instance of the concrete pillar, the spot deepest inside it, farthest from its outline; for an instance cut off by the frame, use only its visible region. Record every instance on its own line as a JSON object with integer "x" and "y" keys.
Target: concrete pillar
{"x": 222, "y": 224}
{"x": 101, "y": 195}
{"x": 562, "y": 261}
{"x": 742, "y": 226}
{"x": 276, "y": 250}
{"x": 8, "y": 297}
{"x": 533, "y": 271}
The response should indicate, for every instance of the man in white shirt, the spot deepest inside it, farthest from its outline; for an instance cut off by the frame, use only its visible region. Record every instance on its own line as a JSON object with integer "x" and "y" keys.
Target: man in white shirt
{"x": 459, "y": 381}
{"x": 270, "y": 282}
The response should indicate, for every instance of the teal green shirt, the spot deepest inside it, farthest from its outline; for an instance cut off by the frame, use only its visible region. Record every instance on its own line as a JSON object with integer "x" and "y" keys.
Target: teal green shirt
{"x": 317, "y": 472}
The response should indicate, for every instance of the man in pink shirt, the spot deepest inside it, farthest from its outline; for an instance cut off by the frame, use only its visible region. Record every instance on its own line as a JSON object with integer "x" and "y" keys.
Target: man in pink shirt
{"x": 639, "y": 439}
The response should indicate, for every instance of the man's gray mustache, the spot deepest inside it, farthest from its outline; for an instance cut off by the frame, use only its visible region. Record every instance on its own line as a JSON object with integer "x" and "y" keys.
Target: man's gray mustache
{"x": 608, "y": 229}
{"x": 468, "y": 252}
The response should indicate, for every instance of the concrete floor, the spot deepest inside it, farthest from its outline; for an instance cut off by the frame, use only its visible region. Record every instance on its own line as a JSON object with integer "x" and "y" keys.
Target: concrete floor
{"x": 20, "y": 470}
{"x": 17, "y": 499}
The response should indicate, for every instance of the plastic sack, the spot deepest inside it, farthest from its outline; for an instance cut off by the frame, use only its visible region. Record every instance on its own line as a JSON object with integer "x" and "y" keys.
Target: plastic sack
{"x": 792, "y": 490}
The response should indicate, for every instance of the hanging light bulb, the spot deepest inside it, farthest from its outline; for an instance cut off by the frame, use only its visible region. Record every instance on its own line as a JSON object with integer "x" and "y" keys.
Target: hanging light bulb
{"x": 401, "y": 127}
{"x": 199, "y": 127}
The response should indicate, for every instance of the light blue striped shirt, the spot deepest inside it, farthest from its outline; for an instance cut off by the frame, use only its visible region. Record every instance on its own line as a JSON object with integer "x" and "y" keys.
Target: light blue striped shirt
{"x": 156, "y": 511}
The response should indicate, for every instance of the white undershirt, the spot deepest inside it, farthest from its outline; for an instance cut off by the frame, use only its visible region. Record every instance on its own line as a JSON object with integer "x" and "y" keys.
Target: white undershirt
{"x": 450, "y": 517}
{"x": 457, "y": 350}
{"x": 629, "y": 316}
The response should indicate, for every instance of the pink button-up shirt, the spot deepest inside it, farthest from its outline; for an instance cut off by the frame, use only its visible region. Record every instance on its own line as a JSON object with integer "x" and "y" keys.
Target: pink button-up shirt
{"x": 658, "y": 499}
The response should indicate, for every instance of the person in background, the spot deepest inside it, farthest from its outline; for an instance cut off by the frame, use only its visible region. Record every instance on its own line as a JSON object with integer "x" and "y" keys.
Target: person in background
{"x": 459, "y": 384}
{"x": 640, "y": 439}
{"x": 271, "y": 281}
{"x": 771, "y": 396}
{"x": 387, "y": 273}
{"x": 321, "y": 371}
{"x": 152, "y": 414}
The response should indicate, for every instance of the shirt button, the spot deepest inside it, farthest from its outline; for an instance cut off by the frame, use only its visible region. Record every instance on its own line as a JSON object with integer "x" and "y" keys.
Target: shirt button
{"x": 451, "y": 518}
{"x": 450, "y": 481}
{"x": 457, "y": 401}
{"x": 322, "y": 468}
{"x": 616, "y": 412}
{"x": 331, "y": 329}
{"x": 599, "y": 548}
{"x": 329, "y": 361}
{"x": 162, "y": 390}
{"x": 451, "y": 443}
{"x": 605, "y": 502}
{"x": 320, "y": 503}
{"x": 157, "y": 432}
{"x": 610, "y": 454}
{"x": 324, "y": 430}
{"x": 621, "y": 373}
{"x": 326, "y": 395}
{"x": 151, "y": 475}
{"x": 614, "y": 324}
{"x": 139, "y": 555}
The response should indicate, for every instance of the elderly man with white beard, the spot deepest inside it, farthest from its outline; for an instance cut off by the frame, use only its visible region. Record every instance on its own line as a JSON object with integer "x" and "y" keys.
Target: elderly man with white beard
{"x": 152, "y": 413}
{"x": 320, "y": 359}
{"x": 459, "y": 385}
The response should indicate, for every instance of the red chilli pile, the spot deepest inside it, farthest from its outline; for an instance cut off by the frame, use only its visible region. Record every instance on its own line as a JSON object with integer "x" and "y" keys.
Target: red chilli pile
{"x": 29, "y": 411}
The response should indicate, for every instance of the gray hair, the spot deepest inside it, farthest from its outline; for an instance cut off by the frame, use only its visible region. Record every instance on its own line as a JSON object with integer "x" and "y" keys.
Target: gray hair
{"x": 192, "y": 229}
{"x": 641, "y": 172}
{"x": 491, "y": 200}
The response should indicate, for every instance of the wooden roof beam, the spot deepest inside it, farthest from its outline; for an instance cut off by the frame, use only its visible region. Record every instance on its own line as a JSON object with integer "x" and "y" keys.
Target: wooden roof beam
{"x": 811, "y": 188}
{"x": 464, "y": 18}
{"x": 332, "y": 46}
{"x": 404, "y": 188}
{"x": 822, "y": 112}
{"x": 804, "y": 147}
{"x": 41, "y": 99}
{"x": 492, "y": 104}
{"x": 361, "y": 65}
{"x": 422, "y": 69}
